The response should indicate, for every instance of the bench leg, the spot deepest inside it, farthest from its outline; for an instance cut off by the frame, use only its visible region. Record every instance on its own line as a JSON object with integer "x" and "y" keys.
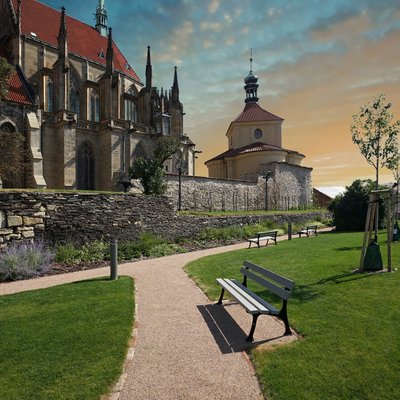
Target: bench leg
{"x": 284, "y": 318}
{"x": 221, "y": 297}
{"x": 250, "y": 338}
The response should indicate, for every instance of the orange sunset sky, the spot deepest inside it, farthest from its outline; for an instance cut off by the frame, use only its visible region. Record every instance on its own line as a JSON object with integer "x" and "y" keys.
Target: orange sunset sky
{"x": 317, "y": 61}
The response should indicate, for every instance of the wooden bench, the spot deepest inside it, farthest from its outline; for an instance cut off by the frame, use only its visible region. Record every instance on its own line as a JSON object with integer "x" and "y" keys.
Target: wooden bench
{"x": 309, "y": 230}
{"x": 271, "y": 235}
{"x": 255, "y": 305}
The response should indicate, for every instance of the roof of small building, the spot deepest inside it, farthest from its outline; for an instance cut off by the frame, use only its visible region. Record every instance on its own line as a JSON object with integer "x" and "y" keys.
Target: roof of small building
{"x": 250, "y": 148}
{"x": 17, "y": 91}
{"x": 331, "y": 191}
{"x": 42, "y": 22}
{"x": 253, "y": 112}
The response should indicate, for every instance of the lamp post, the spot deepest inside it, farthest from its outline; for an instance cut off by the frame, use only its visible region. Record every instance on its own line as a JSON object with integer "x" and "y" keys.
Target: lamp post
{"x": 267, "y": 175}
{"x": 179, "y": 167}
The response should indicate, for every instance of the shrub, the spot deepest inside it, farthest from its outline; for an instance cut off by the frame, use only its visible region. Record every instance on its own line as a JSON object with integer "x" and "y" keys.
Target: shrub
{"x": 25, "y": 260}
{"x": 349, "y": 210}
{"x": 165, "y": 249}
{"x": 95, "y": 251}
{"x": 67, "y": 253}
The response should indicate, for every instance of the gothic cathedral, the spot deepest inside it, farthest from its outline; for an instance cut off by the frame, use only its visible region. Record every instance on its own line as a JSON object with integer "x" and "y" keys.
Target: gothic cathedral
{"x": 83, "y": 110}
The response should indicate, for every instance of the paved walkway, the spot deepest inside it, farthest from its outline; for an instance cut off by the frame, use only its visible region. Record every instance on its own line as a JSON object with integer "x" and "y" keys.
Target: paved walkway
{"x": 184, "y": 346}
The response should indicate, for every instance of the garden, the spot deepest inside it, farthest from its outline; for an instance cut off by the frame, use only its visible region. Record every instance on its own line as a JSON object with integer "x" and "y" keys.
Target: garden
{"x": 348, "y": 321}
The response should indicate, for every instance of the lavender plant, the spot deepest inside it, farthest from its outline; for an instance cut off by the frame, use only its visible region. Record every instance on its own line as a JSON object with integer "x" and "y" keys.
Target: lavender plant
{"x": 24, "y": 260}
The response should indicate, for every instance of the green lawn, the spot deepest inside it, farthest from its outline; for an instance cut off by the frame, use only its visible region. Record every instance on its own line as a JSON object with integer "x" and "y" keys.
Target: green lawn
{"x": 350, "y": 322}
{"x": 66, "y": 342}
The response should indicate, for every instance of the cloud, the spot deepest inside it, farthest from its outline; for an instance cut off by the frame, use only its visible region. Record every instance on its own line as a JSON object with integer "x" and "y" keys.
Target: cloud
{"x": 207, "y": 44}
{"x": 211, "y": 26}
{"x": 213, "y": 7}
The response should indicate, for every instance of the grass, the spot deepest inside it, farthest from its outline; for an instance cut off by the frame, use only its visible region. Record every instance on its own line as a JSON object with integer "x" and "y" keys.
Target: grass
{"x": 66, "y": 342}
{"x": 244, "y": 212}
{"x": 350, "y": 322}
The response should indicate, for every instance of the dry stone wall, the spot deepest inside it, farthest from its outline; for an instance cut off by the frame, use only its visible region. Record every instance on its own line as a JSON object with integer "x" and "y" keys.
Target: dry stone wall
{"x": 80, "y": 218}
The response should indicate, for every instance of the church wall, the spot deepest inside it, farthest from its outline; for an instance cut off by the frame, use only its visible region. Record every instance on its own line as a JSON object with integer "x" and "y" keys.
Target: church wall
{"x": 53, "y": 150}
{"x": 250, "y": 162}
{"x": 6, "y": 26}
{"x": 103, "y": 160}
{"x": 242, "y": 134}
{"x": 31, "y": 55}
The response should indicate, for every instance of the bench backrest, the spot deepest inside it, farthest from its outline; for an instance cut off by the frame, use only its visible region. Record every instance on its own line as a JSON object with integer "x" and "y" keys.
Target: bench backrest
{"x": 276, "y": 284}
{"x": 268, "y": 233}
{"x": 312, "y": 227}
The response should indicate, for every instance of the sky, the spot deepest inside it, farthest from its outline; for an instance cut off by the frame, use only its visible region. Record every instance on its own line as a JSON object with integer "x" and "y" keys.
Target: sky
{"x": 317, "y": 62}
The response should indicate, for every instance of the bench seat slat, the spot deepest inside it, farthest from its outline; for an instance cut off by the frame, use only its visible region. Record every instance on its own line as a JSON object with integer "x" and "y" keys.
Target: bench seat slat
{"x": 282, "y": 293}
{"x": 234, "y": 291}
{"x": 271, "y": 309}
{"x": 271, "y": 275}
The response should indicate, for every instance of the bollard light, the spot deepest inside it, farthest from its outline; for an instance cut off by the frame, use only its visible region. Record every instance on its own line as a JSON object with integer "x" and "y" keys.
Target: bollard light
{"x": 114, "y": 260}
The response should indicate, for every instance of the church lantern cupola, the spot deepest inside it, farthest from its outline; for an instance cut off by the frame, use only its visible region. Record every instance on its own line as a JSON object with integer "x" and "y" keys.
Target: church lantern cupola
{"x": 101, "y": 19}
{"x": 251, "y": 84}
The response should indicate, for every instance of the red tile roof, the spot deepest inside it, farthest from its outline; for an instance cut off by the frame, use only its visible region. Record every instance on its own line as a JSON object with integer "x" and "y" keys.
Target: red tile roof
{"x": 83, "y": 40}
{"x": 17, "y": 92}
{"x": 250, "y": 148}
{"x": 253, "y": 112}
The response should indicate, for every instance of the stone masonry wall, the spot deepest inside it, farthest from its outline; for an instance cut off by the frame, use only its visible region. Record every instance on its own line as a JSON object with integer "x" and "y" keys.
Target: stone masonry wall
{"x": 80, "y": 218}
{"x": 288, "y": 188}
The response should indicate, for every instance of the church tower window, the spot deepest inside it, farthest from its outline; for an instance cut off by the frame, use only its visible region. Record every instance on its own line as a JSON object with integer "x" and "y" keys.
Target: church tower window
{"x": 94, "y": 106}
{"x": 85, "y": 167}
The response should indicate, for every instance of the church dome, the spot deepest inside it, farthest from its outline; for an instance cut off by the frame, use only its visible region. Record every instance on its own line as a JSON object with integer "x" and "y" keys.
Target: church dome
{"x": 251, "y": 78}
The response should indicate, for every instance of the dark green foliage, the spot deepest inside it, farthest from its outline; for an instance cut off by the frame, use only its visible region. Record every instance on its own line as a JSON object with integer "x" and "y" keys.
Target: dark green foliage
{"x": 6, "y": 71}
{"x": 349, "y": 209}
{"x": 151, "y": 176}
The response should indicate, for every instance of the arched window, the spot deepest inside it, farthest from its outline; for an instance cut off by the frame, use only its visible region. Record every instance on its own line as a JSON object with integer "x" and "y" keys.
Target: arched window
{"x": 7, "y": 127}
{"x": 74, "y": 93}
{"x": 130, "y": 105}
{"x": 85, "y": 167}
{"x": 139, "y": 152}
{"x": 49, "y": 95}
{"x": 94, "y": 106}
{"x": 130, "y": 110}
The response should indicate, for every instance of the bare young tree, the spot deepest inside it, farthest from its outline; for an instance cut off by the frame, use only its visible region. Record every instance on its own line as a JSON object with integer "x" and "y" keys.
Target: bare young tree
{"x": 375, "y": 133}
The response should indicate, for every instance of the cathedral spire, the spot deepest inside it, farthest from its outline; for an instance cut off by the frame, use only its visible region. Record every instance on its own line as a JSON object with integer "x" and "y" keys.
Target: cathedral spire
{"x": 62, "y": 40}
{"x": 251, "y": 84}
{"x": 101, "y": 18}
{"x": 149, "y": 71}
{"x": 175, "y": 87}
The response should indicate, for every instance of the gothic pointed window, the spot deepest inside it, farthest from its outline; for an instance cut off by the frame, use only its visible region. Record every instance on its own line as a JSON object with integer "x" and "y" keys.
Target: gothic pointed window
{"x": 94, "y": 111}
{"x": 49, "y": 96}
{"x": 74, "y": 95}
{"x": 139, "y": 153}
{"x": 85, "y": 167}
{"x": 130, "y": 106}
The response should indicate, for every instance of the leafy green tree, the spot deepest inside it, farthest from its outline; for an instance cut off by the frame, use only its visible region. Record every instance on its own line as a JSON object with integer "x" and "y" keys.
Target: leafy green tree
{"x": 150, "y": 172}
{"x": 6, "y": 70}
{"x": 375, "y": 133}
{"x": 349, "y": 210}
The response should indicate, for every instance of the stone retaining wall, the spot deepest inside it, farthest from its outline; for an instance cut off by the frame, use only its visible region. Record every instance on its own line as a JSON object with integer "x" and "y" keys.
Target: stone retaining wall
{"x": 79, "y": 218}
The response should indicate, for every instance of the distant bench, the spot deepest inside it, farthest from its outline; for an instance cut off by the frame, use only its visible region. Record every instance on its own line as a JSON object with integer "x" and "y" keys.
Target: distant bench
{"x": 270, "y": 235}
{"x": 309, "y": 230}
{"x": 255, "y": 305}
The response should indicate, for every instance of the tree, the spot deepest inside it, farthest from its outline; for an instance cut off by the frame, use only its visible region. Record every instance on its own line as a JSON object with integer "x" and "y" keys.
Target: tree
{"x": 375, "y": 133}
{"x": 349, "y": 210}
{"x": 150, "y": 172}
{"x": 6, "y": 71}
{"x": 11, "y": 156}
